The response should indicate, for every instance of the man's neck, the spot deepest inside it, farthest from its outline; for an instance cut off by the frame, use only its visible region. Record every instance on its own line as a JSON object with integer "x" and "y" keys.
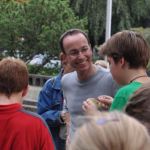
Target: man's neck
{"x": 87, "y": 74}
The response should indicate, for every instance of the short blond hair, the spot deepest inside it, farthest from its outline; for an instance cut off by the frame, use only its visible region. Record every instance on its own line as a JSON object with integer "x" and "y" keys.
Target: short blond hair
{"x": 111, "y": 131}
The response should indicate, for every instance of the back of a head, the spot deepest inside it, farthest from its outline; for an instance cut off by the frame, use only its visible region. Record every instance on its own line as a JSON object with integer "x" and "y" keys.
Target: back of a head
{"x": 139, "y": 105}
{"x": 129, "y": 45}
{"x": 111, "y": 131}
{"x": 13, "y": 76}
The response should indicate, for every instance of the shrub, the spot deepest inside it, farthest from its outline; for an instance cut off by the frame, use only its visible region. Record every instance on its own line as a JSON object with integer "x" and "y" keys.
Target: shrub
{"x": 34, "y": 69}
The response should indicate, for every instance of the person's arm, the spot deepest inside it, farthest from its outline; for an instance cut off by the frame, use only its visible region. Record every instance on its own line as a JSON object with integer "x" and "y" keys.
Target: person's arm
{"x": 48, "y": 108}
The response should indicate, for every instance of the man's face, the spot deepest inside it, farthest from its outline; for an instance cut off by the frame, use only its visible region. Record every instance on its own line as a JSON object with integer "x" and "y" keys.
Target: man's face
{"x": 78, "y": 52}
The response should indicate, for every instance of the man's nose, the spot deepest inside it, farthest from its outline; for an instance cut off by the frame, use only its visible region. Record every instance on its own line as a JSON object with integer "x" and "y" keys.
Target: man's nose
{"x": 80, "y": 54}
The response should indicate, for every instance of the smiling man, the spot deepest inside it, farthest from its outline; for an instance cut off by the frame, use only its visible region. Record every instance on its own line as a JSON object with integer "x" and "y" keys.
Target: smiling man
{"x": 88, "y": 80}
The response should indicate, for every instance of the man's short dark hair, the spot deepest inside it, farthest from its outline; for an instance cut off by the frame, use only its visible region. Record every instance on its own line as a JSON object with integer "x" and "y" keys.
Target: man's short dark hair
{"x": 71, "y": 32}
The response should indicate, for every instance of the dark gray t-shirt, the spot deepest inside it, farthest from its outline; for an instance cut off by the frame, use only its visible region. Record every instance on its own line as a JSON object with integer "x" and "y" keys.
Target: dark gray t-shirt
{"x": 75, "y": 92}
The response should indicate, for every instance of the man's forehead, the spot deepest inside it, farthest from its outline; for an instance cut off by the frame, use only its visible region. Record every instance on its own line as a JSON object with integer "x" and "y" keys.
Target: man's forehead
{"x": 75, "y": 42}
{"x": 74, "y": 36}
{"x": 77, "y": 47}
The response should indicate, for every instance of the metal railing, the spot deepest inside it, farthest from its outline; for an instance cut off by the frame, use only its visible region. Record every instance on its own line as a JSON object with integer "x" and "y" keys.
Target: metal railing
{"x": 30, "y": 105}
{"x": 38, "y": 80}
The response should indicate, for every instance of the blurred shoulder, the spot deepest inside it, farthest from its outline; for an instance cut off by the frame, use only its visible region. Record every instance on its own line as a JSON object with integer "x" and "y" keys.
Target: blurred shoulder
{"x": 69, "y": 76}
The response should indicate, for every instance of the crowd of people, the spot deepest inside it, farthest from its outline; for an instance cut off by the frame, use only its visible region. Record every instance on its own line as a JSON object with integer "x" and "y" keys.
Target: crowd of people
{"x": 87, "y": 106}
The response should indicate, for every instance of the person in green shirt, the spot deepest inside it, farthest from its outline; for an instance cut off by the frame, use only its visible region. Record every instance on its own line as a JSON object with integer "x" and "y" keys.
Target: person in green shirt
{"x": 128, "y": 55}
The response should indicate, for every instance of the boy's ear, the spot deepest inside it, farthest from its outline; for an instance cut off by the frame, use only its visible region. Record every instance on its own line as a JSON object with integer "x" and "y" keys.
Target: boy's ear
{"x": 122, "y": 62}
{"x": 25, "y": 91}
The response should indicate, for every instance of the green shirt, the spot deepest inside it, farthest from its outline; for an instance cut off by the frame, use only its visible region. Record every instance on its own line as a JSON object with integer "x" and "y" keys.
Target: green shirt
{"x": 123, "y": 95}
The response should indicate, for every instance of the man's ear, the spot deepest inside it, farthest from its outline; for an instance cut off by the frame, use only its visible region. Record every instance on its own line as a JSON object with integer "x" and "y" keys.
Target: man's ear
{"x": 61, "y": 56}
{"x": 63, "y": 59}
{"x": 25, "y": 91}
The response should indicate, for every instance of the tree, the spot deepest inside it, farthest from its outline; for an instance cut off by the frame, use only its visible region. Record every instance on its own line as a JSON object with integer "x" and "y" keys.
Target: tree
{"x": 125, "y": 14}
{"x": 35, "y": 26}
{"x": 9, "y": 25}
{"x": 94, "y": 10}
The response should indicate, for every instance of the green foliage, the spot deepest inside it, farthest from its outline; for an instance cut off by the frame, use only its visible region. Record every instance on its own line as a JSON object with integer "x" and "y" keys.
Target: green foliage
{"x": 125, "y": 14}
{"x": 34, "y": 69}
{"x": 95, "y": 12}
{"x": 146, "y": 34}
{"x": 35, "y": 26}
{"x": 144, "y": 31}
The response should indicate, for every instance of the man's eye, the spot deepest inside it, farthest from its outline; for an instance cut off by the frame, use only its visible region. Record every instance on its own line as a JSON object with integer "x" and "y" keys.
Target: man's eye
{"x": 74, "y": 52}
{"x": 84, "y": 49}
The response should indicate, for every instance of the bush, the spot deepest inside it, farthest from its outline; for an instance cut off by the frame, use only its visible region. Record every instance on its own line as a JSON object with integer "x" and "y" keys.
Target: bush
{"x": 34, "y": 69}
{"x": 146, "y": 34}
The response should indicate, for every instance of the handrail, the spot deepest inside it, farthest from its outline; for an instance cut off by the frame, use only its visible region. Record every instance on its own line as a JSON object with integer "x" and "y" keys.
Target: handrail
{"x": 38, "y": 80}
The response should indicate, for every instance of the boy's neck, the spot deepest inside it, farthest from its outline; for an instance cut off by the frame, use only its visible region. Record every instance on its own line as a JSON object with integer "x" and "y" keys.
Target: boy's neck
{"x": 137, "y": 75}
{"x": 14, "y": 98}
